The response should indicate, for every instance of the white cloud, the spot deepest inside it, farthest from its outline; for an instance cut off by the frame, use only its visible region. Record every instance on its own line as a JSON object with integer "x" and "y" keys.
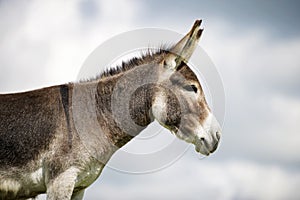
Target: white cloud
{"x": 46, "y": 42}
{"x": 260, "y": 77}
{"x": 194, "y": 179}
{"x": 253, "y": 58}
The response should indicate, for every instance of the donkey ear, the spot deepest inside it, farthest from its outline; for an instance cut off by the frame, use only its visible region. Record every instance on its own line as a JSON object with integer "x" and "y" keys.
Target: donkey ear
{"x": 184, "y": 49}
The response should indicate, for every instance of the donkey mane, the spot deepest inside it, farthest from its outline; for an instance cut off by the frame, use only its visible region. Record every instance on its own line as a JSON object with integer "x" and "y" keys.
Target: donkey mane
{"x": 144, "y": 57}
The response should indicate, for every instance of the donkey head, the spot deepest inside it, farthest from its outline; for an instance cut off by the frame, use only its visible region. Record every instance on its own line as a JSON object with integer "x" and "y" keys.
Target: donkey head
{"x": 179, "y": 103}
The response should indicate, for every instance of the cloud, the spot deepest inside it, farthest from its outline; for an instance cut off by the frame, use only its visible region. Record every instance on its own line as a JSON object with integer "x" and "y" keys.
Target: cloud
{"x": 261, "y": 84}
{"x": 194, "y": 179}
{"x": 45, "y": 43}
{"x": 279, "y": 18}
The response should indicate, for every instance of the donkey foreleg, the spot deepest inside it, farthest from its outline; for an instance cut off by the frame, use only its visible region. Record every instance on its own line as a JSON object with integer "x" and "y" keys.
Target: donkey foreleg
{"x": 62, "y": 187}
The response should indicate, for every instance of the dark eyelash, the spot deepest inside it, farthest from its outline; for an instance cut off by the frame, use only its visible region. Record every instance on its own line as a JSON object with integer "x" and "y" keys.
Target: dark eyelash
{"x": 191, "y": 88}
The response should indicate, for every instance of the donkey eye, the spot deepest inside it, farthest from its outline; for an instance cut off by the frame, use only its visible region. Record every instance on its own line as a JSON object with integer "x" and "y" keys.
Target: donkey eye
{"x": 191, "y": 88}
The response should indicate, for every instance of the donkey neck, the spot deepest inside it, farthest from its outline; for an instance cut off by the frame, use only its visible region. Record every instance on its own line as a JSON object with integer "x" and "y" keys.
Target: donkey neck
{"x": 124, "y": 103}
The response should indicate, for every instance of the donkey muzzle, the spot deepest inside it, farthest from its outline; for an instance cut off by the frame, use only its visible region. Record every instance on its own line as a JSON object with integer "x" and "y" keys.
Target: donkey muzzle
{"x": 208, "y": 137}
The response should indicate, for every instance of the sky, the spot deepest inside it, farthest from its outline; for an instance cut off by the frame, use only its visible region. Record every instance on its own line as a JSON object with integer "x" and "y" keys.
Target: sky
{"x": 255, "y": 46}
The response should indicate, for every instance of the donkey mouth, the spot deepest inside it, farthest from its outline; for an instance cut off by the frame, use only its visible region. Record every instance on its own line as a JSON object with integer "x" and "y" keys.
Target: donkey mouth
{"x": 203, "y": 148}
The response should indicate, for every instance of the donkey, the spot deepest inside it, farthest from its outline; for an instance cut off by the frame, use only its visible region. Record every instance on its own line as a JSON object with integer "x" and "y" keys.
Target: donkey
{"x": 57, "y": 140}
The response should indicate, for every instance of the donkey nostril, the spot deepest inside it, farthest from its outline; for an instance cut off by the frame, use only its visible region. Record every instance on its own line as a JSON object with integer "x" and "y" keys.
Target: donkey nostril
{"x": 202, "y": 139}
